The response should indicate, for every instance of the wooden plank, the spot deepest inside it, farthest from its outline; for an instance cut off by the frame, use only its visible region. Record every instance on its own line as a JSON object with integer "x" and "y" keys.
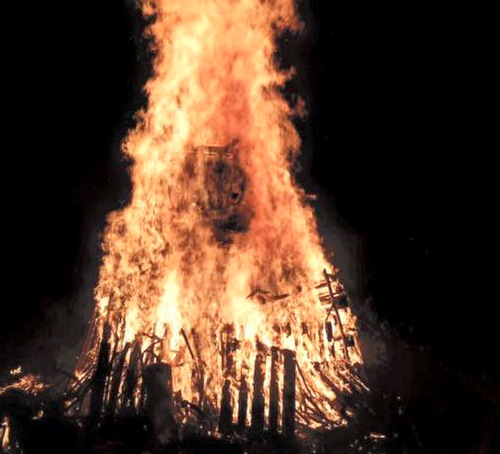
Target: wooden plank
{"x": 289, "y": 394}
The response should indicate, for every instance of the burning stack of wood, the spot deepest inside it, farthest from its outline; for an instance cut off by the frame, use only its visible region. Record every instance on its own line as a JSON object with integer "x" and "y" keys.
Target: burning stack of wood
{"x": 267, "y": 395}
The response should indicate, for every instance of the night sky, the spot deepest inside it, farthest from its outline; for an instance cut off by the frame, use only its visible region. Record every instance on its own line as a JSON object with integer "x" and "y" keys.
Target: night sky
{"x": 393, "y": 144}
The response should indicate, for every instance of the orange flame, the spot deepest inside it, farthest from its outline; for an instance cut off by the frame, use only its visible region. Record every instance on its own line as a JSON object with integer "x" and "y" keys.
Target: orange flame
{"x": 215, "y": 236}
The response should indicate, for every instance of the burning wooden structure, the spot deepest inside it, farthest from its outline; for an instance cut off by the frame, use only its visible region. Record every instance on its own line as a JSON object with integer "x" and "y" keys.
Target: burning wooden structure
{"x": 214, "y": 311}
{"x": 272, "y": 393}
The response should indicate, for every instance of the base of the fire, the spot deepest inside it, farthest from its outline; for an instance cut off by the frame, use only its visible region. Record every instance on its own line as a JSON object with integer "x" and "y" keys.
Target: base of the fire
{"x": 35, "y": 420}
{"x": 119, "y": 407}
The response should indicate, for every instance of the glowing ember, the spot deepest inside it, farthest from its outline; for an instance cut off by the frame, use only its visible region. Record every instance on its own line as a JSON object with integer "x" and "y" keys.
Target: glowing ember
{"x": 5, "y": 434}
{"x": 29, "y": 384}
{"x": 215, "y": 267}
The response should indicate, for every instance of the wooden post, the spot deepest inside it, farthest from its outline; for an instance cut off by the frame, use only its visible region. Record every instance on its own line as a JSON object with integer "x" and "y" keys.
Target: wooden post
{"x": 230, "y": 346}
{"x": 258, "y": 401}
{"x": 131, "y": 377}
{"x": 99, "y": 378}
{"x": 159, "y": 403}
{"x": 274, "y": 392}
{"x": 289, "y": 395}
{"x": 242, "y": 403}
{"x": 226, "y": 409}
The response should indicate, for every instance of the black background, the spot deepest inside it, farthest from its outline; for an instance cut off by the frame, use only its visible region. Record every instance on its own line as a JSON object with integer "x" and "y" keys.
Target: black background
{"x": 398, "y": 103}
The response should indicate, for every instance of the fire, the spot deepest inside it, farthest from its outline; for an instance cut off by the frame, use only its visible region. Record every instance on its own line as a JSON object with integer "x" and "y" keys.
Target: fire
{"x": 5, "y": 434}
{"x": 28, "y": 383}
{"x": 216, "y": 260}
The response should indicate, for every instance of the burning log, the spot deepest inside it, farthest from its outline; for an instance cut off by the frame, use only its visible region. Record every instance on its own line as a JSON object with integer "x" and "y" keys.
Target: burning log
{"x": 274, "y": 392}
{"x": 159, "y": 403}
{"x": 289, "y": 395}
{"x": 258, "y": 401}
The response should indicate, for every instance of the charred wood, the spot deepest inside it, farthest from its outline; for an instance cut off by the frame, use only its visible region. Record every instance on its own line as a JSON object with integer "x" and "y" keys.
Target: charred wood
{"x": 159, "y": 405}
{"x": 132, "y": 377}
{"x": 289, "y": 394}
{"x": 258, "y": 401}
{"x": 226, "y": 409}
{"x": 242, "y": 403}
